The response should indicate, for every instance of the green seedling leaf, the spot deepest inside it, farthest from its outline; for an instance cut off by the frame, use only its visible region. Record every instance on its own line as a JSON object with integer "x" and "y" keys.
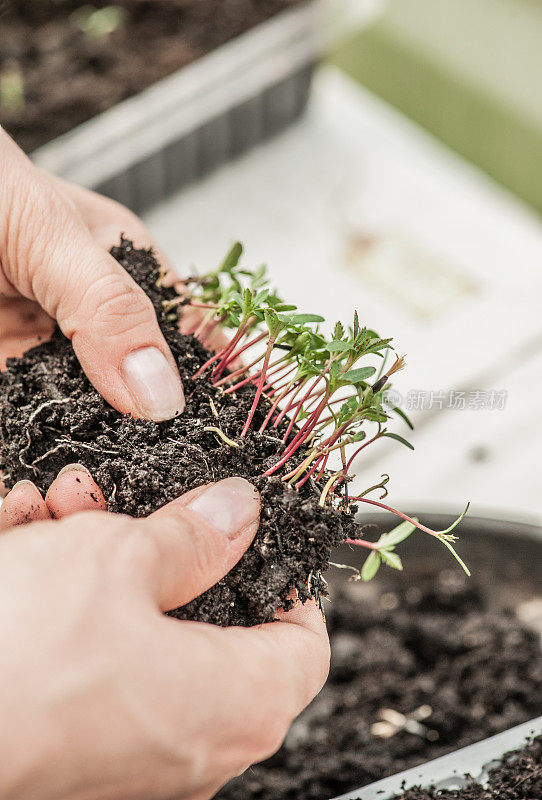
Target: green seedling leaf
{"x": 401, "y": 413}
{"x": 398, "y": 439}
{"x": 356, "y": 324}
{"x": 398, "y": 534}
{"x": 233, "y": 258}
{"x": 358, "y": 375}
{"x": 303, "y": 319}
{"x": 371, "y": 566}
{"x": 338, "y": 347}
{"x": 271, "y": 319}
{"x": 391, "y": 559}
{"x": 11, "y": 90}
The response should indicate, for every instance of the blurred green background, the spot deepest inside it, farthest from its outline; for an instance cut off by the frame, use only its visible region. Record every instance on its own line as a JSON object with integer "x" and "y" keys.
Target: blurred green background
{"x": 469, "y": 71}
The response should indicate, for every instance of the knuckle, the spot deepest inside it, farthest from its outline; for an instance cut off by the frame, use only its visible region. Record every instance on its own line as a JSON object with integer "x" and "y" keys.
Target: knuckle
{"x": 199, "y": 545}
{"x": 115, "y": 304}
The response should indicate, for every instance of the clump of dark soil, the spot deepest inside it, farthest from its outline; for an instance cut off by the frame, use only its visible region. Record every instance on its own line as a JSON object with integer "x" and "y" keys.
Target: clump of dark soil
{"x": 69, "y": 76}
{"x": 50, "y": 416}
{"x": 402, "y": 647}
{"x": 518, "y": 777}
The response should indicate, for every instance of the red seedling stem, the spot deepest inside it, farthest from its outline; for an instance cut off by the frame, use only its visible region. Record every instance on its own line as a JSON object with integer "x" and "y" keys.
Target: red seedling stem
{"x": 246, "y": 346}
{"x": 363, "y": 446}
{"x": 300, "y": 437}
{"x": 393, "y": 511}
{"x": 224, "y": 354}
{"x": 362, "y": 543}
{"x": 282, "y": 396}
{"x": 261, "y": 381}
{"x": 298, "y": 407}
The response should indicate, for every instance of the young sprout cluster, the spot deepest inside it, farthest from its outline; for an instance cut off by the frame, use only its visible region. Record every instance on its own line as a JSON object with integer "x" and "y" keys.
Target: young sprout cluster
{"x": 321, "y": 394}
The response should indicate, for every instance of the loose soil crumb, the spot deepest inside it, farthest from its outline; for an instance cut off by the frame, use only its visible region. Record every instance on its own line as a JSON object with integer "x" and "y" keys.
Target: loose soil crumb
{"x": 69, "y": 76}
{"x": 50, "y": 416}
{"x": 518, "y": 777}
{"x": 434, "y": 644}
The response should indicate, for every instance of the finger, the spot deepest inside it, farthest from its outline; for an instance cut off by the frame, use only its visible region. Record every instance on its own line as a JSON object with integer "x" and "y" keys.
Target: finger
{"x": 108, "y": 317}
{"x": 106, "y": 220}
{"x": 256, "y": 680}
{"x": 287, "y": 659}
{"x": 24, "y": 504}
{"x": 197, "y": 539}
{"x": 72, "y": 491}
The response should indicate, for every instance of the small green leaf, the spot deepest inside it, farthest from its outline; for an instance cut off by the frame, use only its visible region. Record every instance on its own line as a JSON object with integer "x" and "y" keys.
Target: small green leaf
{"x": 232, "y": 259}
{"x": 401, "y": 413}
{"x": 358, "y": 375}
{"x": 338, "y": 347}
{"x": 371, "y": 566}
{"x": 303, "y": 319}
{"x": 356, "y": 323}
{"x": 398, "y": 439}
{"x": 391, "y": 559}
{"x": 398, "y": 534}
{"x": 271, "y": 319}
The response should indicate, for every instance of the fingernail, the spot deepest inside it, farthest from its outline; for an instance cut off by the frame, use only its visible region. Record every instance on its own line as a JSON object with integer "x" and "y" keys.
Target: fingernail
{"x": 229, "y": 506}
{"x": 73, "y": 468}
{"x": 24, "y": 483}
{"x": 154, "y": 384}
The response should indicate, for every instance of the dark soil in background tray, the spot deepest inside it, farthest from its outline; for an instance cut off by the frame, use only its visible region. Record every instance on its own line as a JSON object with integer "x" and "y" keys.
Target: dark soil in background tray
{"x": 517, "y": 777}
{"x": 50, "y": 416}
{"x": 400, "y": 647}
{"x": 70, "y": 76}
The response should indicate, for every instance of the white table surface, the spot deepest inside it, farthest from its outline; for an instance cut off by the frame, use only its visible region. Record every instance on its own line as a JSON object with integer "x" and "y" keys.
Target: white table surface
{"x": 355, "y": 207}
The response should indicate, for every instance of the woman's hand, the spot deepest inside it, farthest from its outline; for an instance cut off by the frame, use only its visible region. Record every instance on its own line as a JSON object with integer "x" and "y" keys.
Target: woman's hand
{"x": 54, "y": 264}
{"x": 105, "y": 696}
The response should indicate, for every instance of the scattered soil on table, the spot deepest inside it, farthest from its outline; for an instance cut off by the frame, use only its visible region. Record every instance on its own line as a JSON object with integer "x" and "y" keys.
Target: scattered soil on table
{"x": 69, "y": 75}
{"x": 517, "y": 777}
{"x": 401, "y": 647}
{"x": 50, "y": 416}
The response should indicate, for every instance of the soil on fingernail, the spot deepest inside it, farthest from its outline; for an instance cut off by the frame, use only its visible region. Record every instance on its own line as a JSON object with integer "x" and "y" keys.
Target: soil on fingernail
{"x": 51, "y": 416}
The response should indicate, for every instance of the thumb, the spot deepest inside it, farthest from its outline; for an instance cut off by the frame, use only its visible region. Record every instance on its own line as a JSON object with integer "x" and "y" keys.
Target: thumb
{"x": 48, "y": 255}
{"x": 197, "y": 539}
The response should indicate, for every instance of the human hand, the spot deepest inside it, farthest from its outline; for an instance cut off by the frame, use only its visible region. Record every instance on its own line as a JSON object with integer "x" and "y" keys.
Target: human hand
{"x": 54, "y": 263}
{"x": 108, "y": 698}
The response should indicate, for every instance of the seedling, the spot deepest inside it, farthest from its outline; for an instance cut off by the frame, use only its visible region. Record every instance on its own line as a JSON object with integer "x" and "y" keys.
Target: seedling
{"x": 11, "y": 89}
{"x": 97, "y": 23}
{"x": 320, "y": 394}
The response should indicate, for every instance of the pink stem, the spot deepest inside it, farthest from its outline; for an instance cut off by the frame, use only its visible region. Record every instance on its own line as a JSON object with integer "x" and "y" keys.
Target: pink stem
{"x": 246, "y": 346}
{"x": 299, "y": 406}
{"x": 222, "y": 355}
{"x": 362, "y": 543}
{"x": 358, "y": 451}
{"x": 261, "y": 382}
{"x": 288, "y": 388}
{"x": 392, "y": 511}
{"x": 300, "y": 437}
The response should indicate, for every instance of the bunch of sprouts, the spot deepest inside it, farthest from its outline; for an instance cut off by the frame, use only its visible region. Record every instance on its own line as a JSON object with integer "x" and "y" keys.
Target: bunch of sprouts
{"x": 319, "y": 393}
